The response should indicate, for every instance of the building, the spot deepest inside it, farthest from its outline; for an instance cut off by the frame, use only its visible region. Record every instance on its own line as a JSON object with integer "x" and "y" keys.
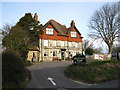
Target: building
{"x": 56, "y": 43}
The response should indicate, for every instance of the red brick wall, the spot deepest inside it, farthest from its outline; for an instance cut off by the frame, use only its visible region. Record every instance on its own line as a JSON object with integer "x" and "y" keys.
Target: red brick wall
{"x": 57, "y": 37}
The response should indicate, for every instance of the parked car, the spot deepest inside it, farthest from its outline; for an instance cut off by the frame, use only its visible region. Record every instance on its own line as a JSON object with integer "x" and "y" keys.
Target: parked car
{"x": 79, "y": 59}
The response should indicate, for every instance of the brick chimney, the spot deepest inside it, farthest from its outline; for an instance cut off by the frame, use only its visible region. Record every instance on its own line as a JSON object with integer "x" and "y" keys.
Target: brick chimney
{"x": 72, "y": 23}
{"x": 36, "y": 16}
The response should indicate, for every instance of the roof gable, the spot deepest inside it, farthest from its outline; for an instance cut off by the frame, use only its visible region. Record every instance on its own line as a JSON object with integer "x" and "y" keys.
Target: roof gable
{"x": 58, "y": 27}
{"x": 61, "y": 29}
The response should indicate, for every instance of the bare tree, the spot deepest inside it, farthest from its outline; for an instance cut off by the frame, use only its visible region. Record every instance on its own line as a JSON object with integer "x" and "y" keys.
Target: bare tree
{"x": 6, "y": 29}
{"x": 106, "y": 24}
{"x": 86, "y": 44}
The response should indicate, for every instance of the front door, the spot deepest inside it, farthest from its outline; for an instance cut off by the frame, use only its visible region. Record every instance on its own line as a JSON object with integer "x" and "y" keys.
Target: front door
{"x": 62, "y": 55}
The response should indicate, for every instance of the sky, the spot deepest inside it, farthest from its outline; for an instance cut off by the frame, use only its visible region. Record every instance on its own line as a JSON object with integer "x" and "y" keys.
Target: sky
{"x": 62, "y": 12}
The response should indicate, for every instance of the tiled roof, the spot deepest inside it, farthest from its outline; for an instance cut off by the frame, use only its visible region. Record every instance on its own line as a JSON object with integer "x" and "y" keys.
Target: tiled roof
{"x": 61, "y": 29}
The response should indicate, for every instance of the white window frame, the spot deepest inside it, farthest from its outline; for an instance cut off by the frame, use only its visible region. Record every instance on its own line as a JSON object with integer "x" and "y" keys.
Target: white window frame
{"x": 45, "y": 52}
{"x": 54, "y": 42}
{"x": 46, "y": 43}
{"x": 63, "y": 43}
{"x": 54, "y": 53}
{"x": 70, "y": 44}
{"x": 76, "y": 44}
{"x": 73, "y": 34}
{"x": 49, "y": 31}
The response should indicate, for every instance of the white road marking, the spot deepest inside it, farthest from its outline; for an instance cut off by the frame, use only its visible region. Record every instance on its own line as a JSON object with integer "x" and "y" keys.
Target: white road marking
{"x": 51, "y": 79}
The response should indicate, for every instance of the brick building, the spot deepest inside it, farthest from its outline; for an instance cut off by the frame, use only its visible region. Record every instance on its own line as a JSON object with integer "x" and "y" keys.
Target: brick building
{"x": 57, "y": 42}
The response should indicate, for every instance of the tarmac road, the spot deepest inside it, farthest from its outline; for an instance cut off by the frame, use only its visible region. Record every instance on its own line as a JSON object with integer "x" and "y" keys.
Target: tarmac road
{"x": 40, "y": 73}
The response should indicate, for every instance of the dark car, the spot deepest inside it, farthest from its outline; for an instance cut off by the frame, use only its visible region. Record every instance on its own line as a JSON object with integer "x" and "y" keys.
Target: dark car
{"x": 79, "y": 59}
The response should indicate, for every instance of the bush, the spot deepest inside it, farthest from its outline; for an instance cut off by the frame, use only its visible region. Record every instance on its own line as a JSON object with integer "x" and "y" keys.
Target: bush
{"x": 27, "y": 63}
{"x": 95, "y": 72}
{"x": 13, "y": 71}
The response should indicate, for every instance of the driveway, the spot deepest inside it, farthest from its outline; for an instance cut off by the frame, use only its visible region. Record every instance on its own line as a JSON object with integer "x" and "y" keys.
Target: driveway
{"x": 51, "y": 75}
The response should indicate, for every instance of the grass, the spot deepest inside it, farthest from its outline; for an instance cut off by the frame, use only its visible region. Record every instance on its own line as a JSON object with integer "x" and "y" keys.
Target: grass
{"x": 95, "y": 72}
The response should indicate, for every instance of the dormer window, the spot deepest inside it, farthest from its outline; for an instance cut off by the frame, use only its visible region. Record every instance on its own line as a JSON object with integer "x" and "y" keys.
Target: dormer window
{"x": 73, "y": 34}
{"x": 49, "y": 31}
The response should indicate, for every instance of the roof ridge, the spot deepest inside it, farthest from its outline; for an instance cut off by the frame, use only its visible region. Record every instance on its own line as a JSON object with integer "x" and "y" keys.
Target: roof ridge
{"x": 57, "y": 22}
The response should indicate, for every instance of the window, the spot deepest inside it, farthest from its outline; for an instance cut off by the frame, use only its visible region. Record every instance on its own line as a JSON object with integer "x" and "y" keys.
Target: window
{"x": 46, "y": 53}
{"x": 54, "y": 43}
{"x": 54, "y": 53}
{"x": 70, "y": 54}
{"x": 45, "y": 42}
{"x": 62, "y": 43}
{"x": 70, "y": 44}
{"x": 73, "y": 34}
{"x": 58, "y": 43}
{"x": 49, "y": 31}
{"x": 76, "y": 44}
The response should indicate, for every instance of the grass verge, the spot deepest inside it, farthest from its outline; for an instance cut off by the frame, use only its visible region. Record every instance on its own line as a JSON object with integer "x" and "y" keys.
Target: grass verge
{"x": 95, "y": 72}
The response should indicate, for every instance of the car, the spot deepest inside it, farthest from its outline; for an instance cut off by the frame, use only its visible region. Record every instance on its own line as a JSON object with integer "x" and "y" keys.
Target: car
{"x": 79, "y": 59}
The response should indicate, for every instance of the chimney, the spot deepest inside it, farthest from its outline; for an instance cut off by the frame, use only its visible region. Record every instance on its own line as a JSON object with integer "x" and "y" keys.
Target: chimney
{"x": 72, "y": 23}
{"x": 36, "y": 16}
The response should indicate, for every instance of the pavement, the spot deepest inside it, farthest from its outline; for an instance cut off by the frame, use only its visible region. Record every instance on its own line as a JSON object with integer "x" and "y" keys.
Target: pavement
{"x": 51, "y": 75}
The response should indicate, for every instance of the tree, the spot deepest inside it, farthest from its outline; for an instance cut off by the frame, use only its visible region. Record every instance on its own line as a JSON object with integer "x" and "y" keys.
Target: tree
{"x": 17, "y": 40}
{"x": 31, "y": 25}
{"x": 27, "y": 28}
{"x": 14, "y": 72}
{"x": 6, "y": 29}
{"x": 27, "y": 22}
{"x": 97, "y": 50}
{"x": 106, "y": 24}
{"x": 89, "y": 51}
{"x": 86, "y": 44}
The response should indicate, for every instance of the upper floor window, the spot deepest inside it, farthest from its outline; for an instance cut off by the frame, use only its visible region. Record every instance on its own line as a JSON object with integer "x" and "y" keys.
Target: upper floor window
{"x": 73, "y": 34}
{"x": 54, "y": 42}
{"x": 70, "y": 44}
{"x": 45, "y": 42}
{"x": 49, "y": 31}
{"x": 76, "y": 44}
{"x": 62, "y": 43}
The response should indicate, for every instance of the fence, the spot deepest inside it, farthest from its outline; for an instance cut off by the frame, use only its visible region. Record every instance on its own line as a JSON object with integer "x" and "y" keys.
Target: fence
{"x": 98, "y": 57}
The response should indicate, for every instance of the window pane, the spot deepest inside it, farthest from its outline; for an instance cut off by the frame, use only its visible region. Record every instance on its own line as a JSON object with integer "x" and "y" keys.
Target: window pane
{"x": 45, "y": 42}
{"x": 54, "y": 53}
{"x": 54, "y": 43}
{"x": 73, "y": 34}
{"x": 49, "y": 31}
{"x": 46, "y": 53}
{"x": 70, "y": 44}
{"x": 62, "y": 43}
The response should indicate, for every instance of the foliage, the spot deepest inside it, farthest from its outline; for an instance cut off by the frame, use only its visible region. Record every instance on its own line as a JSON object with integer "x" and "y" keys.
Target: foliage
{"x": 68, "y": 59}
{"x": 27, "y": 22}
{"x": 95, "y": 72}
{"x": 13, "y": 71}
{"x": 16, "y": 40}
{"x": 27, "y": 63}
{"x": 89, "y": 51}
{"x": 105, "y": 24}
{"x": 86, "y": 44}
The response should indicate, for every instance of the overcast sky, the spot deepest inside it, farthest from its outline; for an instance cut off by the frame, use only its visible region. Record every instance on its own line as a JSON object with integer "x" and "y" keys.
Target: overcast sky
{"x": 62, "y": 12}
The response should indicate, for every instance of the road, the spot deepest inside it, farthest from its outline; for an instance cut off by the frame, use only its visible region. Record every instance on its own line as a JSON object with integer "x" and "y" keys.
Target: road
{"x": 40, "y": 73}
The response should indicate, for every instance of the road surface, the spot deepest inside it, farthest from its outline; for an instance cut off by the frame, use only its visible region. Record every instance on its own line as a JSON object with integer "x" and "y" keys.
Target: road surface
{"x": 51, "y": 75}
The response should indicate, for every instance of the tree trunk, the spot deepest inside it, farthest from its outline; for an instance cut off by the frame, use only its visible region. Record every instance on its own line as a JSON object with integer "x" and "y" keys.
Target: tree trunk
{"x": 110, "y": 48}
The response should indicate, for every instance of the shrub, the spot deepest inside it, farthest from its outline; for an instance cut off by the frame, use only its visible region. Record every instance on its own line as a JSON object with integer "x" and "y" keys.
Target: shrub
{"x": 95, "y": 72}
{"x": 13, "y": 70}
